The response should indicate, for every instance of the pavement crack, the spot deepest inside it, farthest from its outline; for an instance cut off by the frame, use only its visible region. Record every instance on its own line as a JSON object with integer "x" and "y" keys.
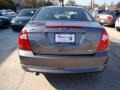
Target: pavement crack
{"x": 114, "y": 54}
{"x": 23, "y": 75}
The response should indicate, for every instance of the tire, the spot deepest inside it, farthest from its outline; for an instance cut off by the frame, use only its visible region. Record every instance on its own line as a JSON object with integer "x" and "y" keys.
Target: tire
{"x": 118, "y": 29}
{"x": 15, "y": 29}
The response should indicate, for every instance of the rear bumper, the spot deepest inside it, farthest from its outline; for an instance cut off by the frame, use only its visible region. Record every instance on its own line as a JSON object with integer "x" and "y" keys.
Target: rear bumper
{"x": 4, "y": 24}
{"x": 62, "y": 64}
{"x": 118, "y": 28}
{"x": 97, "y": 68}
{"x": 107, "y": 22}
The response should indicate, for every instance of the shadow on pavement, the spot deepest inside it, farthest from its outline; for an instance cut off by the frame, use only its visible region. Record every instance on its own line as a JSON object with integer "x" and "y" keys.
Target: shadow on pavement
{"x": 106, "y": 80}
{"x": 74, "y": 82}
{"x": 112, "y": 26}
{"x": 8, "y": 43}
{"x": 115, "y": 49}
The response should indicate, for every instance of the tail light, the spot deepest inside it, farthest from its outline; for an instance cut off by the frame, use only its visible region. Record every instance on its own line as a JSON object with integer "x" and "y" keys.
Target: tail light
{"x": 110, "y": 17}
{"x": 24, "y": 41}
{"x": 97, "y": 16}
{"x": 104, "y": 42}
{"x": 64, "y": 26}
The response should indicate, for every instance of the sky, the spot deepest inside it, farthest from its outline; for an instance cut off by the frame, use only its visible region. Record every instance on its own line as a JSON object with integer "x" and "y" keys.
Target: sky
{"x": 99, "y": 2}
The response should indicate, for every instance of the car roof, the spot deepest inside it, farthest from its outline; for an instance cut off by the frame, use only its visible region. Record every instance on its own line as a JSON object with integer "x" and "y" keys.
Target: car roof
{"x": 3, "y": 17}
{"x": 29, "y": 9}
{"x": 63, "y": 6}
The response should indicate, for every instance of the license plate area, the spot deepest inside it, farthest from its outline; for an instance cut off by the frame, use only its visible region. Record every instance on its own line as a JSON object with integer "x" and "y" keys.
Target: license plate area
{"x": 102, "y": 21}
{"x": 61, "y": 38}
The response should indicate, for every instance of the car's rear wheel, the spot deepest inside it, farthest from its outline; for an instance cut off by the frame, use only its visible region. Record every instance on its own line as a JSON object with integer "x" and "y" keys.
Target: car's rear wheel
{"x": 15, "y": 29}
{"x": 118, "y": 29}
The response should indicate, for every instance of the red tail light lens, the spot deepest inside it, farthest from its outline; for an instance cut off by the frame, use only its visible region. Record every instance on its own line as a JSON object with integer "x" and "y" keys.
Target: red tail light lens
{"x": 104, "y": 42}
{"x": 110, "y": 17}
{"x": 24, "y": 41}
{"x": 64, "y": 26}
{"x": 97, "y": 16}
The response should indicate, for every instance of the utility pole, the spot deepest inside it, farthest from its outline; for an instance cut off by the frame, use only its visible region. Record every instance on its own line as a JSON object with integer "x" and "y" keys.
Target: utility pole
{"x": 93, "y": 5}
{"x": 104, "y": 4}
{"x": 44, "y": 2}
{"x": 34, "y": 3}
{"x": 62, "y": 2}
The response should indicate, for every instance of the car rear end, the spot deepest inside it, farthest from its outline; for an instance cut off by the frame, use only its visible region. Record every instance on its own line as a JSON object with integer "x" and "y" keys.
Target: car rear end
{"x": 65, "y": 44}
{"x": 18, "y": 23}
{"x": 105, "y": 18}
{"x": 117, "y": 24}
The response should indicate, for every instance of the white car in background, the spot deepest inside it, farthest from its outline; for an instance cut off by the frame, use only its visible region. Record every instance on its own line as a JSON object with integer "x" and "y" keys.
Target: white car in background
{"x": 117, "y": 24}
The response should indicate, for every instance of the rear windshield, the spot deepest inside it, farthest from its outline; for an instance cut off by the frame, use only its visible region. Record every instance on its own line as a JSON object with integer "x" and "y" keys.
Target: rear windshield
{"x": 63, "y": 13}
{"x": 117, "y": 13}
{"x": 27, "y": 13}
{"x": 104, "y": 12}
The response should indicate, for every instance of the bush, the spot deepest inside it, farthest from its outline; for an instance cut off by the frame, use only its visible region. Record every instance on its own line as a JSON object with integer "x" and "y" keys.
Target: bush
{"x": 7, "y": 4}
{"x": 118, "y": 5}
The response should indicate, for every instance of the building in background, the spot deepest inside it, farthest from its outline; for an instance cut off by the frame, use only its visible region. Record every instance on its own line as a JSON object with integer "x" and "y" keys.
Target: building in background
{"x": 34, "y": 3}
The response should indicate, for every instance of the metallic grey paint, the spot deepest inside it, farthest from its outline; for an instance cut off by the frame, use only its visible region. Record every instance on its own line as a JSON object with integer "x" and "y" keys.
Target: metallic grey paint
{"x": 48, "y": 57}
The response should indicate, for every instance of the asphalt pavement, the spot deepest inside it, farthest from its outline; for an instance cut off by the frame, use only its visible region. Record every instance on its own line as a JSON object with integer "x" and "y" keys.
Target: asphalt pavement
{"x": 8, "y": 43}
{"x": 12, "y": 76}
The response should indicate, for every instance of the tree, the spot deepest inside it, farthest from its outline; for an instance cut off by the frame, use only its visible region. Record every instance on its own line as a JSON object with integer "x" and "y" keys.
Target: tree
{"x": 45, "y": 3}
{"x": 38, "y": 3}
{"x": 55, "y": 2}
{"x": 112, "y": 4}
{"x": 34, "y": 3}
{"x": 29, "y": 3}
{"x": 96, "y": 5}
{"x": 7, "y": 4}
{"x": 48, "y": 3}
{"x": 71, "y": 3}
{"x": 61, "y": 2}
{"x": 118, "y": 5}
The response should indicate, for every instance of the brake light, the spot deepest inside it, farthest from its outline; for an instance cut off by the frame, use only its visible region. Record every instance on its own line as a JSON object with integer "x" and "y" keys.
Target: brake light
{"x": 104, "y": 42}
{"x": 110, "y": 17}
{"x": 97, "y": 16}
{"x": 64, "y": 26}
{"x": 24, "y": 41}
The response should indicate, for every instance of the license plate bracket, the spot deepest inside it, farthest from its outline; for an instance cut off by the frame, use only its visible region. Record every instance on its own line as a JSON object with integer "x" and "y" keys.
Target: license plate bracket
{"x": 61, "y": 38}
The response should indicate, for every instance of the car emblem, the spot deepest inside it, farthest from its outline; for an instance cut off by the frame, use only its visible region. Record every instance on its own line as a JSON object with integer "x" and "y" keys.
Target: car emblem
{"x": 64, "y": 28}
{"x": 61, "y": 28}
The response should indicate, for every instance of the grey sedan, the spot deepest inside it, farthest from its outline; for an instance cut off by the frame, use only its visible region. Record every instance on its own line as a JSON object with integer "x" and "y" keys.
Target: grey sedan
{"x": 22, "y": 19}
{"x": 63, "y": 40}
{"x": 108, "y": 17}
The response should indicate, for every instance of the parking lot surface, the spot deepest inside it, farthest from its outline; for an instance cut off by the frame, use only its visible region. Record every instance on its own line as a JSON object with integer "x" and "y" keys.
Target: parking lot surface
{"x": 12, "y": 76}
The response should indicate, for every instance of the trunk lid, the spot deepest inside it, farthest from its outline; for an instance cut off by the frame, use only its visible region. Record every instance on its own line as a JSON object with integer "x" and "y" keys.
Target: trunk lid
{"x": 64, "y": 37}
{"x": 105, "y": 16}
